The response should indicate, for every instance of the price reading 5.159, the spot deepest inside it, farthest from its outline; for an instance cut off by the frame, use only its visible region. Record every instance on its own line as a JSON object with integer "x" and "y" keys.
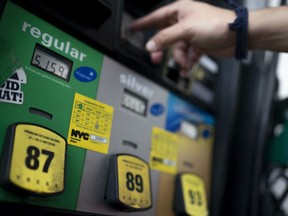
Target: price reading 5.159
{"x": 51, "y": 62}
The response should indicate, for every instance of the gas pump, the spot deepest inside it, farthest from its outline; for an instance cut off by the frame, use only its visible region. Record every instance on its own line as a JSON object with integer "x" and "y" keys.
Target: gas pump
{"x": 87, "y": 126}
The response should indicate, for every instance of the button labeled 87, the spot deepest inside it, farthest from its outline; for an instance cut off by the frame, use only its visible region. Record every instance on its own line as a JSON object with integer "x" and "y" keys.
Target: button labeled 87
{"x": 33, "y": 160}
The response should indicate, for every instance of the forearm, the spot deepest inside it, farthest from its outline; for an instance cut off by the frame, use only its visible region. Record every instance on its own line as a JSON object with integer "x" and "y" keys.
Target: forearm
{"x": 268, "y": 29}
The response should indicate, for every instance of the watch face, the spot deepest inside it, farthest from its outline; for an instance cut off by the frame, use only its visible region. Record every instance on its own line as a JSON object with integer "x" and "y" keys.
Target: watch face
{"x": 36, "y": 160}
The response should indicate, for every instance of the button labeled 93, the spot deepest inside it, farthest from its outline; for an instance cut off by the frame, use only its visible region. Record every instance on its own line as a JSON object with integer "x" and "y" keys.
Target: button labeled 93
{"x": 190, "y": 195}
{"x": 33, "y": 160}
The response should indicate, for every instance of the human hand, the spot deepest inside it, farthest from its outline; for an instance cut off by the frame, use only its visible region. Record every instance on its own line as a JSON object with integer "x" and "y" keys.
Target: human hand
{"x": 190, "y": 28}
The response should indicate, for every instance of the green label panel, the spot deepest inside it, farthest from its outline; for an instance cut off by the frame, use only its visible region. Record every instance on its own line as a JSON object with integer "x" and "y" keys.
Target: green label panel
{"x": 35, "y": 87}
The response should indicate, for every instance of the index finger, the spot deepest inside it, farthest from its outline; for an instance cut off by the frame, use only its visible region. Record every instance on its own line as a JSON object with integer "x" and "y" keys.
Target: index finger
{"x": 162, "y": 17}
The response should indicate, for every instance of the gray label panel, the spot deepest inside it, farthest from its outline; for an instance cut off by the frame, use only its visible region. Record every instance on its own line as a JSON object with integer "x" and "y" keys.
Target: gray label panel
{"x": 127, "y": 126}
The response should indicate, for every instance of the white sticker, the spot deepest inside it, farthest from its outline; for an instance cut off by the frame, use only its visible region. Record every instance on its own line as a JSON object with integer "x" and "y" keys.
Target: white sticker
{"x": 10, "y": 91}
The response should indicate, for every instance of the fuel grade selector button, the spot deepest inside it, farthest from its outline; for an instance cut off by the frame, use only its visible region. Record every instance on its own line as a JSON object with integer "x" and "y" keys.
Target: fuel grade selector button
{"x": 33, "y": 160}
{"x": 128, "y": 185}
{"x": 190, "y": 195}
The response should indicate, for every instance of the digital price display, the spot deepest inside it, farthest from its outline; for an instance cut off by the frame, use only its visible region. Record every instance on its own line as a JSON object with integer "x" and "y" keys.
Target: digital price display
{"x": 190, "y": 195}
{"x": 33, "y": 160}
{"x": 134, "y": 102}
{"x": 51, "y": 62}
{"x": 128, "y": 185}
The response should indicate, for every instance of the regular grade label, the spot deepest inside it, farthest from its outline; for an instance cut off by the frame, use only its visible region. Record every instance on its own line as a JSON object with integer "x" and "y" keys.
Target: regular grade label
{"x": 37, "y": 160}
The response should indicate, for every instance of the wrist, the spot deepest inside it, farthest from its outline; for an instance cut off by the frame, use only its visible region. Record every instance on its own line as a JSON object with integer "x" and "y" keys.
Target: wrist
{"x": 268, "y": 29}
{"x": 240, "y": 27}
{"x": 254, "y": 30}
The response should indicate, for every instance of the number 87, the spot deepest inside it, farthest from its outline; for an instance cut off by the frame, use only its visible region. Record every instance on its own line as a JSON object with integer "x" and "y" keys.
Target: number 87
{"x": 32, "y": 161}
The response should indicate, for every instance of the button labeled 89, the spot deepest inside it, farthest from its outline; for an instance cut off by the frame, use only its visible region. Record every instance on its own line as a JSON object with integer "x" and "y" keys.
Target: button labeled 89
{"x": 128, "y": 184}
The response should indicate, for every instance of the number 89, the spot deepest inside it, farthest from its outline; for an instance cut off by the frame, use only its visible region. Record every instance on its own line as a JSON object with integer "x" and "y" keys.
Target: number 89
{"x": 131, "y": 182}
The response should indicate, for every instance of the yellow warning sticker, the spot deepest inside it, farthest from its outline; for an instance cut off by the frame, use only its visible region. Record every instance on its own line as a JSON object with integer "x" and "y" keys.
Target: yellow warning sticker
{"x": 164, "y": 151}
{"x": 90, "y": 124}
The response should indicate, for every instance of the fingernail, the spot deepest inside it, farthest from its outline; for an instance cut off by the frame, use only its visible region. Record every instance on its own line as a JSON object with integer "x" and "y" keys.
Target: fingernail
{"x": 151, "y": 46}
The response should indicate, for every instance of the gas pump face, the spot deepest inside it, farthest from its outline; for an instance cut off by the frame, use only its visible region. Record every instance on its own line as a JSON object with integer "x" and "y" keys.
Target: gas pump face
{"x": 81, "y": 132}
{"x": 49, "y": 84}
